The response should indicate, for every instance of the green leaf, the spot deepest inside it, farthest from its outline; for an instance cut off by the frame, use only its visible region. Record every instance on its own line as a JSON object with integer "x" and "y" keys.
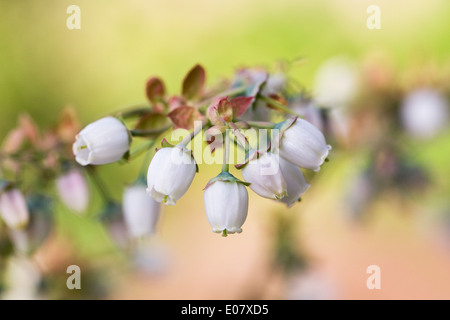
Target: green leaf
{"x": 194, "y": 83}
{"x": 151, "y": 120}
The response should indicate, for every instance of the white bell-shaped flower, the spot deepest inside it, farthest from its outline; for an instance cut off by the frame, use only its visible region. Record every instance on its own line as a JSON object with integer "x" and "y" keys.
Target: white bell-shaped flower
{"x": 170, "y": 174}
{"x": 304, "y": 145}
{"x": 13, "y": 209}
{"x": 226, "y": 205}
{"x": 265, "y": 177}
{"x": 101, "y": 142}
{"x": 296, "y": 183}
{"x": 73, "y": 190}
{"x": 141, "y": 212}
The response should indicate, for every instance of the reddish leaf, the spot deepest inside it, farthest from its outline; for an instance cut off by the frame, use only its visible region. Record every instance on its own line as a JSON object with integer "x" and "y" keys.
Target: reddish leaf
{"x": 194, "y": 83}
{"x": 154, "y": 89}
{"x": 176, "y": 102}
{"x": 184, "y": 117}
{"x": 240, "y": 105}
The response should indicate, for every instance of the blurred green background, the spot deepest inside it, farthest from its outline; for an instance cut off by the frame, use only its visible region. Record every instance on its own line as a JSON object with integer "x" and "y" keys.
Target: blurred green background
{"x": 103, "y": 67}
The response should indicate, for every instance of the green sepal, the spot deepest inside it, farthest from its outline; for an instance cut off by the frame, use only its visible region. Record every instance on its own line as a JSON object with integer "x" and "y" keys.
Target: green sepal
{"x": 225, "y": 177}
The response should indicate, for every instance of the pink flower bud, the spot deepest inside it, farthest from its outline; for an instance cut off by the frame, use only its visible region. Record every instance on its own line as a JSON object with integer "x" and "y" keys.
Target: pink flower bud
{"x": 73, "y": 190}
{"x": 13, "y": 209}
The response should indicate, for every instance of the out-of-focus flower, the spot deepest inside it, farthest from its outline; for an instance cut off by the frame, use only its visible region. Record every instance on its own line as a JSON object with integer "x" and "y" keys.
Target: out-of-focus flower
{"x": 23, "y": 279}
{"x": 13, "y": 209}
{"x": 73, "y": 190}
{"x": 310, "y": 285}
{"x": 170, "y": 174}
{"x": 265, "y": 177}
{"x": 296, "y": 183}
{"x": 303, "y": 144}
{"x": 141, "y": 212}
{"x": 309, "y": 111}
{"x": 226, "y": 204}
{"x": 424, "y": 113}
{"x": 101, "y": 142}
{"x": 335, "y": 83}
{"x": 275, "y": 84}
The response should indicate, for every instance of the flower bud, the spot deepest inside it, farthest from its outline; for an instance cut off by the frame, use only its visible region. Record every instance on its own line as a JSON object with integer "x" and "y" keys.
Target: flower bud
{"x": 141, "y": 212}
{"x": 170, "y": 174}
{"x": 296, "y": 183}
{"x": 101, "y": 142}
{"x": 220, "y": 111}
{"x": 226, "y": 205}
{"x": 265, "y": 177}
{"x": 13, "y": 209}
{"x": 424, "y": 113}
{"x": 73, "y": 190}
{"x": 304, "y": 145}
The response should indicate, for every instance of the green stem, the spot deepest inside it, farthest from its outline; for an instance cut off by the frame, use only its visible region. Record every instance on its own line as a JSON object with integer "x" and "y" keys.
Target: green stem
{"x": 141, "y": 148}
{"x": 134, "y": 111}
{"x": 99, "y": 184}
{"x": 276, "y": 104}
{"x": 230, "y": 92}
{"x": 151, "y": 132}
{"x": 145, "y": 163}
{"x": 240, "y": 137}
{"x": 261, "y": 124}
{"x": 191, "y": 136}
{"x": 226, "y": 152}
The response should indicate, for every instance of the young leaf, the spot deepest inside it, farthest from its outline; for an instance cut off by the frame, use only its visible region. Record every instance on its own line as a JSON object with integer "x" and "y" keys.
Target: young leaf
{"x": 154, "y": 89}
{"x": 240, "y": 105}
{"x": 184, "y": 117}
{"x": 194, "y": 83}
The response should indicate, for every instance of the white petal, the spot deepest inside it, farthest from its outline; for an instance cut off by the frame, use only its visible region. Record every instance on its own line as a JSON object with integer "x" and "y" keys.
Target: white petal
{"x": 265, "y": 177}
{"x": 226, "y": 205}
{"x": 304, "y": 145}
{"x": 101, "y": 142}
{"x": 295, "y": 182}
{"x": 170, "y": 174}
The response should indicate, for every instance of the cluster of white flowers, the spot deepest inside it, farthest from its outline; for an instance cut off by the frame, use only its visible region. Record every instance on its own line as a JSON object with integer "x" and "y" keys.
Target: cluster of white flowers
{"x": 270, "y": 174}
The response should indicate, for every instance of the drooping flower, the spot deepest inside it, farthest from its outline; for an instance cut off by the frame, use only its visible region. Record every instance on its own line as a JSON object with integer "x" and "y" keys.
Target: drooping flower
{"x": 170, "y": 174}
{"x": 296, "y": 183}
{"x": 73, "y": 190}
{"x": 265, "y": 177}
{"x": 141, "y": 212}
{"x": 13, "y": 209}
{"x": 101, "y": 142}
{"x": 226, "y": 204}
{"x": 302, "y": 144}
